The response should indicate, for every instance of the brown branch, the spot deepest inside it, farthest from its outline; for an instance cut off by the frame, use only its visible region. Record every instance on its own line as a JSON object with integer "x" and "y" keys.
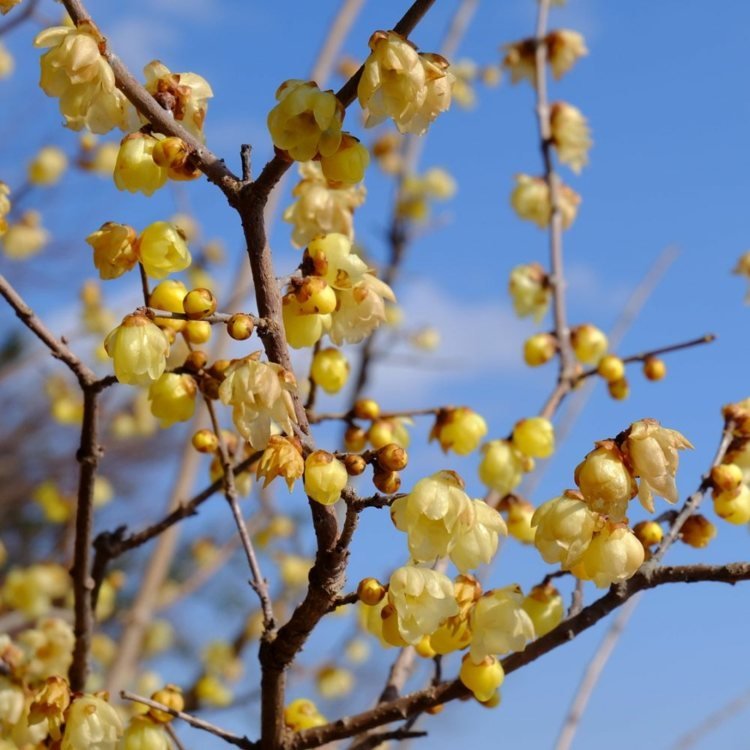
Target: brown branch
{"x": 714, "y": 720}
{"x": 259, "y": 583}
{"x": 217, "y": 318}
{"x": 194, "y": 721}
{"x": 348, "y": 416}
{"x": 404, "y": 707}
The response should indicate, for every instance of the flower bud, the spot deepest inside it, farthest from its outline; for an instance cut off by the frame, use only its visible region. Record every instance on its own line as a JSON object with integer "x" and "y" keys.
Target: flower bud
{"x": 654, "y": 368}
{"x": 534, "y": 437}
{"x": 619, "y": 390}
{"x": 605, "y": 482}
{"x": 648, "y": 533}
{"x": 502, "y": 466}
{"x": 347, "y": 166}
{"x": 545, "y": 607}
{"x": 589, "y": 344}
{"x": 482, "y": 679}
{"x": 135, "y": 169}
{"x": 143, "y": 733}
{"x": 197, "y": 332}
{"x": 613, "y": 555}
{"x": 205, "y": 441}
{"x": 173, "y": 155}
{"x": 539, "y": 349}
{"x": 518, "y": 519}
{"x": 388, "y": 482}
{"x": 370, "y": 591}
{"x": 172, "y": 398}
{"x": 330, "y": 369}
{"x": 240, "y": 327}
{"x": 392, "y": 457}
{"x": 168, "y": 295}
{"x": 734, "y": 506}
{"x": 564, "y": 529}
{"x": 314, "y": 295}
{"x": 366, "y": 408}
{"x": 303, "y": 714}
{"x": 47, "y": 167}
{"x": 726, "y": 477}
{"x": 355, "y": 465}
{"x": 199, "y": 303}
{"x": 325, "y": 477}
{"x": 460, "y": 430}
{"x": 611, "y": 368}
{"x": 355, "y": 439}
{"x": 697, "y": 531}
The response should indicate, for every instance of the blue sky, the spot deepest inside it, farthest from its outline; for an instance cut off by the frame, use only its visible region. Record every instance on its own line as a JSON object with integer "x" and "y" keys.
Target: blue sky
{"x": 666, "y": 96}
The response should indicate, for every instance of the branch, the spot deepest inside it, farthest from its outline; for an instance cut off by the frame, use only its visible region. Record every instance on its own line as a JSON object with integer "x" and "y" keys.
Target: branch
{"x": 714, "y": 720}
{"x": 194, "y": 721}
{"x": 444, "y": 692}
{"x": 211, "y": 165}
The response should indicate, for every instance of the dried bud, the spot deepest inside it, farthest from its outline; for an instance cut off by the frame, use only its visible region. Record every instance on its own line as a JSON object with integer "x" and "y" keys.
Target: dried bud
{"x": 697, "y": 531}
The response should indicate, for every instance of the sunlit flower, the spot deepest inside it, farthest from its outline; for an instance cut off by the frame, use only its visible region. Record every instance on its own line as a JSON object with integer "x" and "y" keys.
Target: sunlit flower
{"x": 135, "y": 169}
{"x": 138, "y": 350}
{"x": 460, "y": 430}
{"x": 281, "y": 458}
{"x": 605, "y": 482}
{"x": 613, "y": 555}
{"x": 531, "y": 201}
{"x": 172, "y": 398}
{"x": 260, "y": 395}
{"x": 47, "y": 167}
{"x": 564, "y": 528}
{"x": 361, "y": 310}
{"x": 114, "y": 248}
{"x": 24, "y": 237}
{"x": 499, "y": 624}
{"x": 477, "y": 545}
{"x": 162, "y": 250}
{"x": 570, "y": 135}
{"x": 529, "y": 290}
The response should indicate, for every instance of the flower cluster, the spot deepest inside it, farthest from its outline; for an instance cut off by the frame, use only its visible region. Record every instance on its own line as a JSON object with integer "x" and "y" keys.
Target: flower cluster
{"x": 586, "y": 531}
{"x": 75, "y": 70}
{"x": 564, "y": 47}
{"x": 400, "y": 83}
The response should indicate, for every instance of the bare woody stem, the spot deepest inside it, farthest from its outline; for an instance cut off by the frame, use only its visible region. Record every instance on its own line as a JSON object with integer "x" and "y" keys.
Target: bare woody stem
{"x": 557, "y": 272}
{"x": 404, "y": 707}
{"x": 259, "y": 583}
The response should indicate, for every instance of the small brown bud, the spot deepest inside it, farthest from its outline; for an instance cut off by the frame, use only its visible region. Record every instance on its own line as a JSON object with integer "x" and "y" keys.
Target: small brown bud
{"x": 366, "y": 408}
{"x": 240, "y": 327}
{"x": 392, "y": 457}
{"x": 355, "y": 464}
{"x": 388, "y": 482}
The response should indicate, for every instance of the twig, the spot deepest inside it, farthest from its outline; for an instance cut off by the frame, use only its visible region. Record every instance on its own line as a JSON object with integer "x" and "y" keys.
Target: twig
{"x": 421, "y": 700}
{"x": 714, "y": 720}
{"x": 144, "y": 285}
{"x": 194, "y": 721}
{"x": 259, "y": 583}
{"x": 216, "y": 318}
{"x": 593, "y": 672}
{"x": 348, "y": 416}
{"x": 173, "y": 736}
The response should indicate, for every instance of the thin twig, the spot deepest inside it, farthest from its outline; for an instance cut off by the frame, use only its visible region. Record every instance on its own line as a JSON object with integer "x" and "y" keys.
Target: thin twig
{"x": 713, "y": 721}
{"x": 194, "y": 721}
{"x": 259, "y": 583}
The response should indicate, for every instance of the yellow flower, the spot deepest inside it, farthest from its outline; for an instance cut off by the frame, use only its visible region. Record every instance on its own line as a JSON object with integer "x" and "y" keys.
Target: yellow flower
{"x": 49, "y": 704}
{"x": 499, "y": 624}
{"x": 168, "y": 295}
{"x": 302, "y": 329}
{"x": 570, "y": 135}
{"x": 306, "y": 123}
{"x": 483, "y": 678}
{"x": 325, "y": 477}
{"x": 534, "y": 437}
{"x": 135, "y": 169}
{"x": 319, "y": 208}
{"x": 530, "y": 199}
{"x": 295, "y": 570}
{"x": 74, "y": 70}
{"x": 334, "y": 682}
{"x": 32, "y": 590}
{"x": 477, "y": 545}
{"x": 26, "y": 237}
{"x": 741, "y": 269}
{"x": 399, "y": 83}
{"x": 423, "y": 598}
{"x": 605, "y": 482}
{"x": 652, "y": 452}
{"x": 454, "y": 634}
{"x": 697, "y": 531}
{"x": 734, "y": 505}
{"x": 162, "y": 250}
{"x": 281, "y": 458}
{"x": 172, "y": 398}
{"x": 303, "y": 714}
{"x": 114, "y": 249}
{"x": 211, "y": 691}
{"x": 460, "y": 430}
{"x": 260, "y": 394}
{"x": 47, "y": 167}
{"x": 91, "y": 723}
{"x": 520, "y": 61}
{"x": 545, "y": 608}
{"x": 138, "y": 349}
{"x": 564, "y": 528}
{"x": 143, "y": 734}
{"x": 502, "y": 466}
{"x": 564, "y": 48}
{"x": 529, "y": 290}
{"x": 56, "y": 507}
{"x": 393, "y": 83}
{"x": 433, "y": 514}
{"x": 332, "y": 258}
{"x": 346, "y": 166}
{"x": 361, "y": 310}
{"x": 519, "y": 515}
{"x": 186, "y": 95}
{"x": 48, "y": 649}
{"x": 330, "y": 370}
{"x": 613, "y": 555}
